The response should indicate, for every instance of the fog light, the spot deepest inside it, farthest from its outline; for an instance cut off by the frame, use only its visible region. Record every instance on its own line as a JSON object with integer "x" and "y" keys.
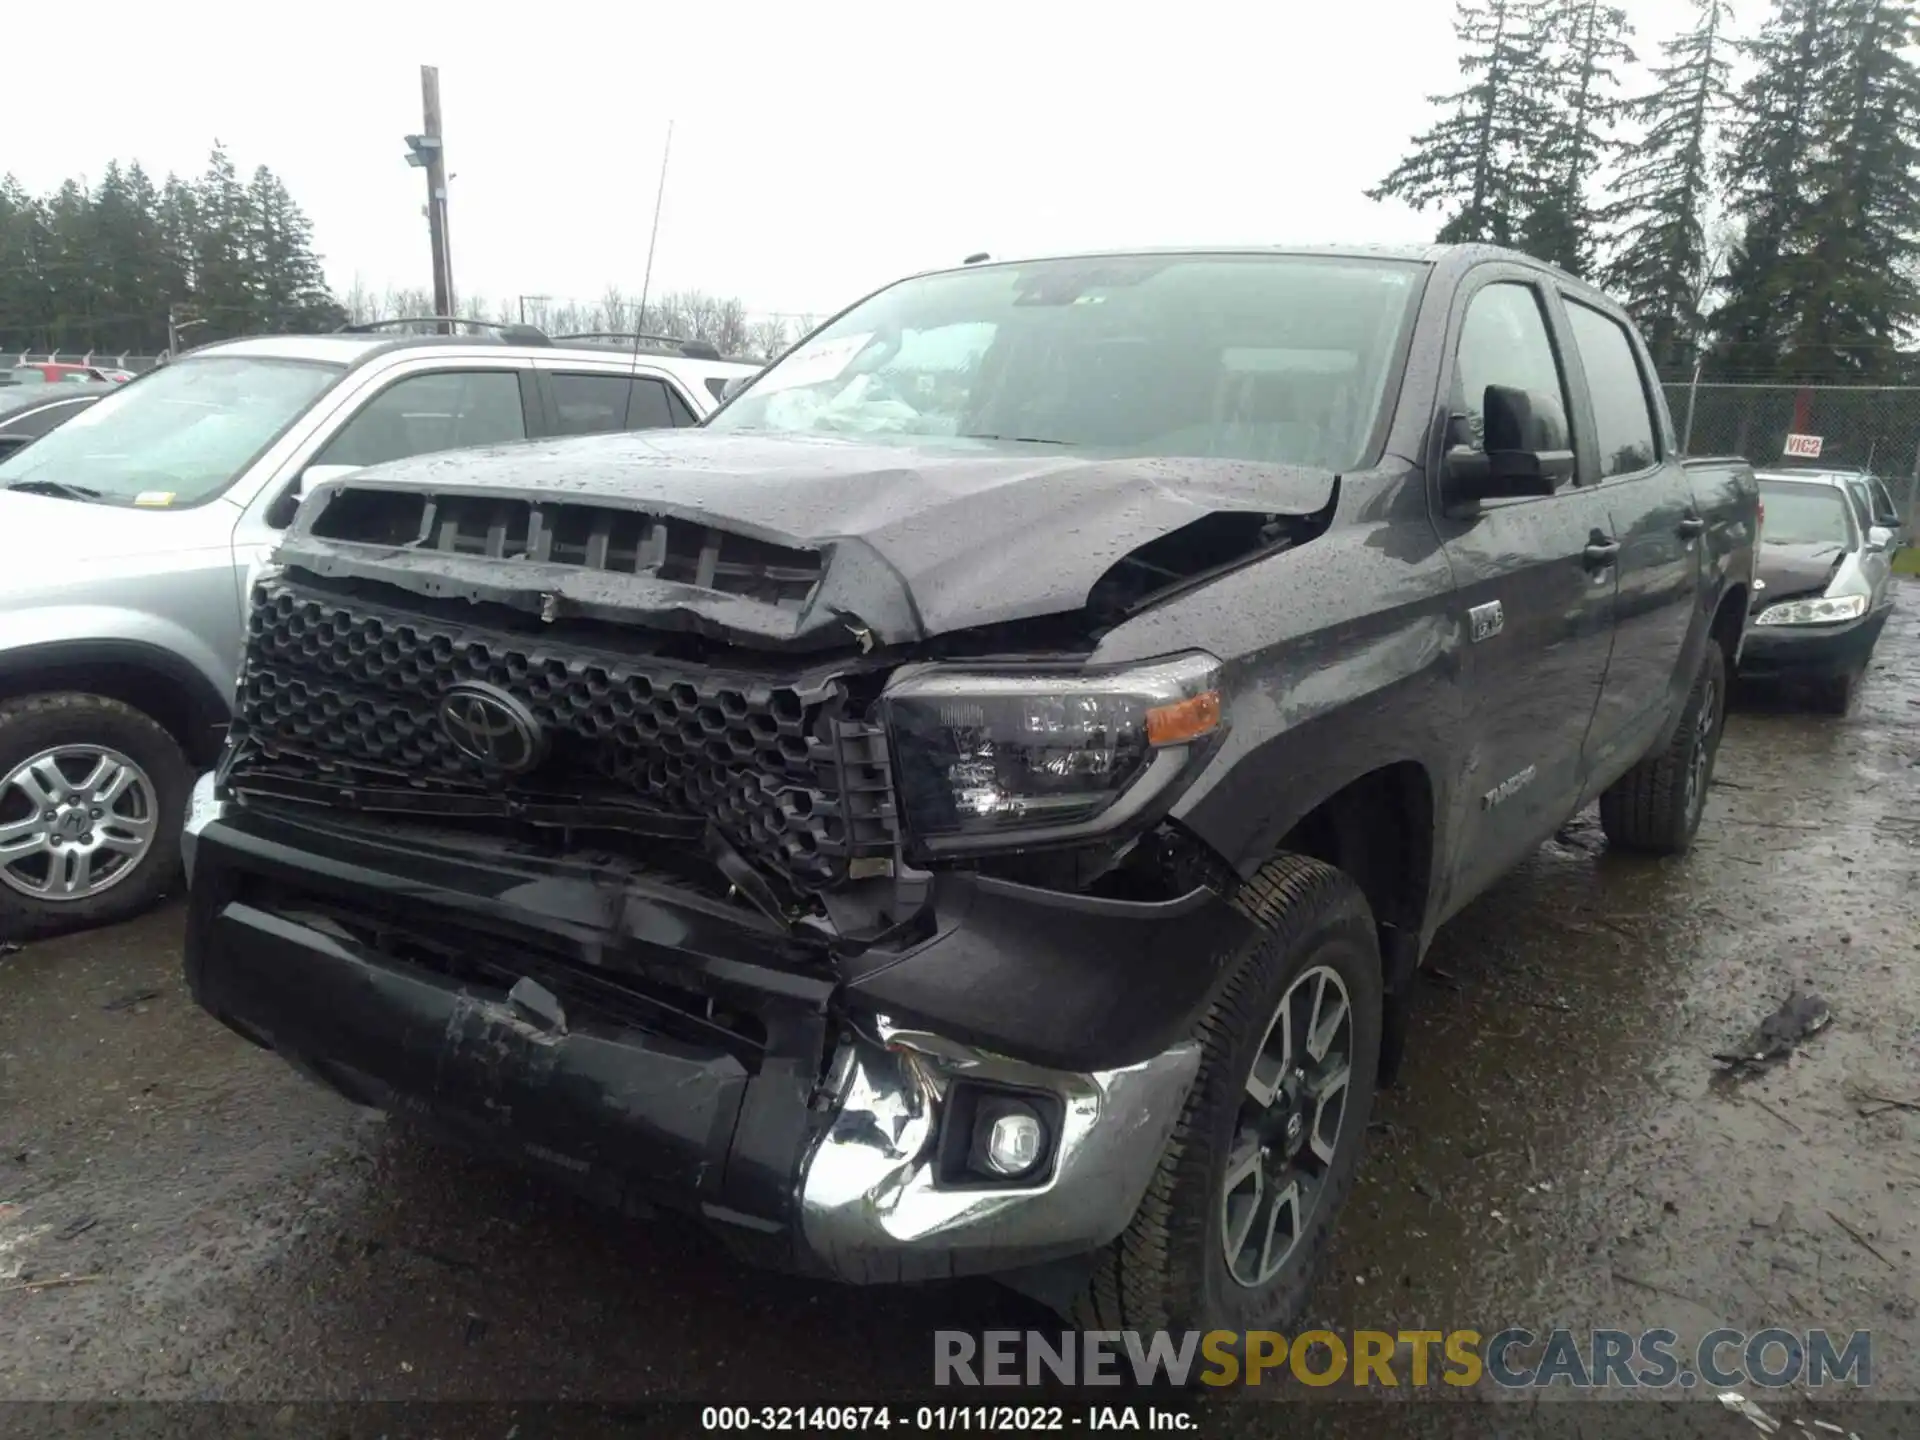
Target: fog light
{"x": 1014, "y": 1137}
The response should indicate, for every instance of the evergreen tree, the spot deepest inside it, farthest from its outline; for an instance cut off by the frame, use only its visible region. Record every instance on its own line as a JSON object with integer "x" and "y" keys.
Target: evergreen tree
{"x": 99, "y": 269}
{"x": 1866, "y": 177}
{"x": 1825, "y": 170}
{"x": 1661, "y": 266}
{"x": 223, "y": 263}
{"x": 1768, "y": 168}
{"x": 292, "y": 290}
{"x": 1476, "y": 162}
{"x": 1579, "y": 46}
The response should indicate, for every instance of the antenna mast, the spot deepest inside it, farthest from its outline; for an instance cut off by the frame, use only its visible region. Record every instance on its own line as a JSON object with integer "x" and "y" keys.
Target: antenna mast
{"x": 646, "y": 282}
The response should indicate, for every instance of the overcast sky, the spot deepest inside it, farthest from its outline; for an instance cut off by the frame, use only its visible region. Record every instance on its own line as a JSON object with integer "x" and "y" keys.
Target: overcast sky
{"x": 818, "y": 150}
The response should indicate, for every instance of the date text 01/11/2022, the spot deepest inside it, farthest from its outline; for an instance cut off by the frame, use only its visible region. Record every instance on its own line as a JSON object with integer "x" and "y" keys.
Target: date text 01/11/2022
{"x": 987, "y": 1419}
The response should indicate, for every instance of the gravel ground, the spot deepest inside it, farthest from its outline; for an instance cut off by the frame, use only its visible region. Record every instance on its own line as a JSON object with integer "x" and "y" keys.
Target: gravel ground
{"x": 1561, "y": 1150}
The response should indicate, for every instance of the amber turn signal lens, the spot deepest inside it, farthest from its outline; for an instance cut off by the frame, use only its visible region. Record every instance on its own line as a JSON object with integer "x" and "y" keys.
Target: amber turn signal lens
{"x": 1184, "y": 719}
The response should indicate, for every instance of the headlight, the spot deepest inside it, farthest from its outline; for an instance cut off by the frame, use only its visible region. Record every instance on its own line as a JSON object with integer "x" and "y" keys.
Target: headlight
{"x": 1814, "y": 612}
{"x": 985, "y": 758}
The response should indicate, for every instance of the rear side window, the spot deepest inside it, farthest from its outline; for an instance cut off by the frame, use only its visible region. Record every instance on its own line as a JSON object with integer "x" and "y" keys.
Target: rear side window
{"x": 599, "y": 404}
{"x": 1622, "y": 413}
{"x": 448, "y": 410}
{"x": 1505, "y": 342}
{"x": 591, "y": 404}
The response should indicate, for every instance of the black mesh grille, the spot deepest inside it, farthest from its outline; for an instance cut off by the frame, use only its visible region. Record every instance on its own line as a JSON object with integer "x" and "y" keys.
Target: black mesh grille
{"x": 593, "y": 537}
{"x": 348, "y": 694}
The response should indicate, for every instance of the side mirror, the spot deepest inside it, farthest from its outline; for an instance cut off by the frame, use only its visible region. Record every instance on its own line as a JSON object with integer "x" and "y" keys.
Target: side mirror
{"x": 281, "y": 512}
{"x": 734, "y": 386}
{"x": 1878, "y": 539}
{"x": 319, "y": 474}
{"x": 1527, "y": 451}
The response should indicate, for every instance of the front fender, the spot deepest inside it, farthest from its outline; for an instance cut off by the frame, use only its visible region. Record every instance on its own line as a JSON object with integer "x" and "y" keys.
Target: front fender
{"x": 40, "y": 638}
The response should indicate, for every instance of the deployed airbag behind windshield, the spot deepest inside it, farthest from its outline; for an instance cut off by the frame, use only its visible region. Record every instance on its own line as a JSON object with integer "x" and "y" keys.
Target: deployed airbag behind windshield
{"x": 1275, "y": 360}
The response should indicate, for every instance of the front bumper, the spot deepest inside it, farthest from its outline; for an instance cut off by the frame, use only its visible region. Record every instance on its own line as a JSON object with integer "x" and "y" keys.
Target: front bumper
{"x": 650, "y": 1046}
{"x": 1810, "y": 652}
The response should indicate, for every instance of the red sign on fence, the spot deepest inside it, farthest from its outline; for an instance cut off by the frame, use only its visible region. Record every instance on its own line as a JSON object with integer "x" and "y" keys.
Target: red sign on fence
{"x": 1803, "y": 447}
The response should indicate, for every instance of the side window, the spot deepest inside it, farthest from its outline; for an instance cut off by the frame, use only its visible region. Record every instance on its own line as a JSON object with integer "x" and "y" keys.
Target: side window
{"x": 447, "y": 410}
{"x": 597, "y": 404}
{"x": 677, "y": 408}
{"x": 1505, "y": 342}
{"x": 1884, "y": 512}
{"x": 1622, "y": 414}
{"x": 589, "y": 404}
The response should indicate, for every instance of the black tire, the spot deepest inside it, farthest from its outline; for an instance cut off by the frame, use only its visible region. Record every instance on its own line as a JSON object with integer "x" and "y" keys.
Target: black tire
{"x": 1656, "y": 807}
{"x": 1169, "y": 1269}
{"x": 1835, "y": 696}
{"x": 40, "y": 723}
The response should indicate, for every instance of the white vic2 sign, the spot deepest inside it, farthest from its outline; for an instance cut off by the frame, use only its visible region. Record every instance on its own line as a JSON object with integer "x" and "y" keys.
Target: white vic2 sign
{"x": 1804, "y": 447}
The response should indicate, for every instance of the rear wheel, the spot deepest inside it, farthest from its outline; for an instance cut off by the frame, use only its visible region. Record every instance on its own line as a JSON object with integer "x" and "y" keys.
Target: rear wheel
{"x": 1656, "y": 806}
{"x": 1232, "y": 1228}
{"x": 92, "y": 797}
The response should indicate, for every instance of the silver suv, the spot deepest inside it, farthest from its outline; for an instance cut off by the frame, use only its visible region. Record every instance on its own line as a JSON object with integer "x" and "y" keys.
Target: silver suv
{"x": 131, "y": 533}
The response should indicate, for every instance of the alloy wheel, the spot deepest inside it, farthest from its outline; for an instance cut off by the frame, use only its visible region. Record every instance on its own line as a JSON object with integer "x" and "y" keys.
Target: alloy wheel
{"x": 1288, "y": 1127}
{"x": 1700, "y": 751}
{"x": 74, "y": 821}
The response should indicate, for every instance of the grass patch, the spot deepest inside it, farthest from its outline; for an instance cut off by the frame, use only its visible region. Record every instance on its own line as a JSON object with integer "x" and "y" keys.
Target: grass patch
{"x": 1907, "y": 562}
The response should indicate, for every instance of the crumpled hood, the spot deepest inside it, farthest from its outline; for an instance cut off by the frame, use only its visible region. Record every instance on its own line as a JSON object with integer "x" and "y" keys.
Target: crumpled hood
{"x": 917, "y": 539}
{"x": 1787, "y": 572}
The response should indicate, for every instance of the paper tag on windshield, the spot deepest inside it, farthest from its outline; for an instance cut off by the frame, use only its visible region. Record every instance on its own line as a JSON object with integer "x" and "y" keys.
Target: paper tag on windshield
{"x": 814, "y": 363}
{"x": 160, "y": 498}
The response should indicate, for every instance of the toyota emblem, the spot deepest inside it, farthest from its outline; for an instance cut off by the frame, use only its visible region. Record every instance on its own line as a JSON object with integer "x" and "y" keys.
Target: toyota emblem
{"x": 487, "y": 724}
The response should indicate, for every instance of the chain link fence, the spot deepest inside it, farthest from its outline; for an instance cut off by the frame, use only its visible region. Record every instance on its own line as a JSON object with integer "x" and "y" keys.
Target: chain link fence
{"x": 1876, "y": 427}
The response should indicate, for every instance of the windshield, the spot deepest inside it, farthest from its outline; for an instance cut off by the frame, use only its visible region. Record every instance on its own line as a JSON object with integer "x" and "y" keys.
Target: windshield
{"x": 26, "y": 375}
{"x": 176, "y": 437}
{"x": 1280, "y": 359}
{"x": 1804, "y": 515}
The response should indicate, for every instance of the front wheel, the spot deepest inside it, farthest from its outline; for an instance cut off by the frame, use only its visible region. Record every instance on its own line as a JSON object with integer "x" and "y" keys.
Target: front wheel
{"x": 92, "y": 797}
{"x": 1233, "y": 1226}
{"x": 1656, "y": 806}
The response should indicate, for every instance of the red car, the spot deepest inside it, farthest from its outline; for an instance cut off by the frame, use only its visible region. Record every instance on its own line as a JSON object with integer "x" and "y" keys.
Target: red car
{"x": 40, "y": 372}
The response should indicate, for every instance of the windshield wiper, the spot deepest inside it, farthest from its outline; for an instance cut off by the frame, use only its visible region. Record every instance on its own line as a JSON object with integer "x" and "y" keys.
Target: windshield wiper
{"x": 57, "y": 488}
{"x": 1018, "y": 439}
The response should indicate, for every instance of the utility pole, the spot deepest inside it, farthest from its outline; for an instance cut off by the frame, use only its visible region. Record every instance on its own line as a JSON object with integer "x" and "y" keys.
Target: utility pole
{"x": 537, "y": 299}
{"x": 428, "y": 152}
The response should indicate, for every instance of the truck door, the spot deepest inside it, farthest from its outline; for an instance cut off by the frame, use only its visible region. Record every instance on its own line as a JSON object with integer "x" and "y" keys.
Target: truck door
{"x": 1661, "y": 599}
{"x": 1535, "y": 591}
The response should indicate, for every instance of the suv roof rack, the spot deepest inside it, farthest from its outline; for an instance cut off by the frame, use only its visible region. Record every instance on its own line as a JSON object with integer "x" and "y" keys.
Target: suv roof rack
{"x": 691, "y": 349}
{"x": 507, "y": 333}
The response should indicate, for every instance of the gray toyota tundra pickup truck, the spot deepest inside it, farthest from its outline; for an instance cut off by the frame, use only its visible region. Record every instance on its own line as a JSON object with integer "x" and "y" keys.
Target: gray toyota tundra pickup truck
{"x": 974, "y": 805}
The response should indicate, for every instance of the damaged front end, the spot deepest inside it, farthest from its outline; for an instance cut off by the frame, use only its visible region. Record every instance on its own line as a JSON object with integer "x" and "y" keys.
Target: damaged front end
{"x": 808, "y": 938}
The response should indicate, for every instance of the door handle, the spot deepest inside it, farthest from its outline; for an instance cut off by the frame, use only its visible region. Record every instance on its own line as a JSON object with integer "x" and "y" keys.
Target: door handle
{"x": 1599, "y": 554}
{"x": 1692, "y": 526}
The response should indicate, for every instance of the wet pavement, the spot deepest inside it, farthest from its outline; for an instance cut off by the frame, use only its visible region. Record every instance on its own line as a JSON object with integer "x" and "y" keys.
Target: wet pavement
{"x": 1559, "y": 1152}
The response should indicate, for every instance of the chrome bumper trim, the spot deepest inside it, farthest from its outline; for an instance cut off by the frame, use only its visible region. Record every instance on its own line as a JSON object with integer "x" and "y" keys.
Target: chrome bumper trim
{"x": 202, "y": 810}
{"x": 871, "y": 1209}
